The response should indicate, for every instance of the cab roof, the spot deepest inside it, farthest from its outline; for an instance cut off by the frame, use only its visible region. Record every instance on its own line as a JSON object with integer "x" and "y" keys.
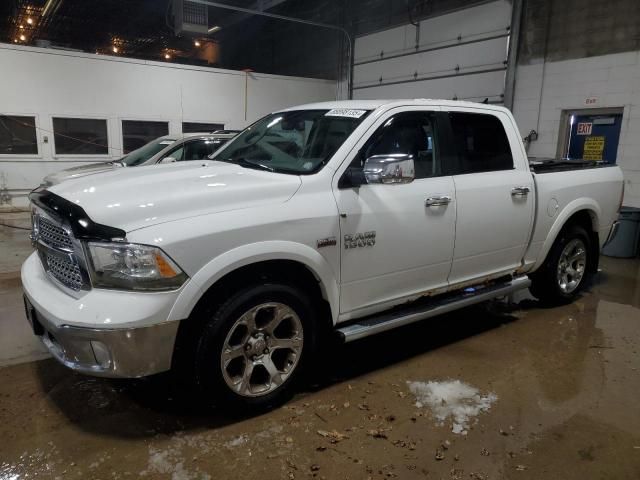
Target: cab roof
{"x": 374, "y": 104}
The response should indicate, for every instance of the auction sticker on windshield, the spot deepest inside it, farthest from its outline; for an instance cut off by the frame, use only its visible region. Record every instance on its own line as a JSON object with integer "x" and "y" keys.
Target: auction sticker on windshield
{"x": 345, "y": 112}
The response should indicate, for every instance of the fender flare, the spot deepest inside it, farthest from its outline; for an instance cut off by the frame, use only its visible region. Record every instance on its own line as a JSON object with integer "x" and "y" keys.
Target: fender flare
{"x": 573, "y": 207}
{"x": 250, "y": 254}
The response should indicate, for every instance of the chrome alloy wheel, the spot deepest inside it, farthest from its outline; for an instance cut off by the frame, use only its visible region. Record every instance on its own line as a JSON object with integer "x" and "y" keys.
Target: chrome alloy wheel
{"x": 262, "y": 349}
{"x": 571, "y": 265}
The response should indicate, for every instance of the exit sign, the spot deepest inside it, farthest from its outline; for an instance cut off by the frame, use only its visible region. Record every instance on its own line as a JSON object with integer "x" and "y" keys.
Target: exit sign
{"x": 591, "y": 101}
{"x": 584, "y": 128}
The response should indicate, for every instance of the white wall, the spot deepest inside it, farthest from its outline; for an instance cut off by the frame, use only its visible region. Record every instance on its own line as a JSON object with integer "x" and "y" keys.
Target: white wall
{"x": 482, "y": 23}
{"x": 48, "y": 83}
{"x": 543, "y": 91}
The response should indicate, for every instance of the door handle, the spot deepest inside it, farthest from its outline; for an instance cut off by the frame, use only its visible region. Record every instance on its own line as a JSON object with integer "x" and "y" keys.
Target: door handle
{"x": 437, "y": 201}
{"x": 520, "y": 191}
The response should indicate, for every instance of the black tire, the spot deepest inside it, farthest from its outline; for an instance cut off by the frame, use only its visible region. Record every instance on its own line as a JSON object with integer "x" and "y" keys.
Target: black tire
{"x": 546, "y": 285}
{"x": 208, "y": 357}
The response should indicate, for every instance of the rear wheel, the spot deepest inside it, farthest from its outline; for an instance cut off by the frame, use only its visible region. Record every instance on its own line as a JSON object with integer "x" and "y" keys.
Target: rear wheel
{"x": 255, "y": 346}
{"x": 564, "y": 272}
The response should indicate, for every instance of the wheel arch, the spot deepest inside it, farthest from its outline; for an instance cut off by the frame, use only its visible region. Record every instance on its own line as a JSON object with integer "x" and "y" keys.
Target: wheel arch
{"x": 584, "y": 213}
{"x": 275, "y": 259}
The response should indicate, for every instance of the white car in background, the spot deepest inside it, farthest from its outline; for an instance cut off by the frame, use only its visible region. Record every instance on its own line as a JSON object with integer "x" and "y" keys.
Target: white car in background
{"x": 166, "y": 149}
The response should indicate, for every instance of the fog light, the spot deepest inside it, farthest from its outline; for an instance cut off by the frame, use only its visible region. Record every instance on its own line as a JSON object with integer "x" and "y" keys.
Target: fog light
{"x": 102, "y": 354}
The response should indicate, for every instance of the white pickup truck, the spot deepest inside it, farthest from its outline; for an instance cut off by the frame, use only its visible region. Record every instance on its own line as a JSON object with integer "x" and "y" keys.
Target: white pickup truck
{"x": 349, "y": 218}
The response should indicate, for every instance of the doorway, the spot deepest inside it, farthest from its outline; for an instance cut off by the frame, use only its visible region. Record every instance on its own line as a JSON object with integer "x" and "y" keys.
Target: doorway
{"x": 590, "y": 134}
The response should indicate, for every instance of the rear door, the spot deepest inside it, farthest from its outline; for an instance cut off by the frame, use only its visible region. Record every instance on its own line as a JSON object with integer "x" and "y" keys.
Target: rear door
{"x": 394, "y": 245}
{"x": 494, "y": 199}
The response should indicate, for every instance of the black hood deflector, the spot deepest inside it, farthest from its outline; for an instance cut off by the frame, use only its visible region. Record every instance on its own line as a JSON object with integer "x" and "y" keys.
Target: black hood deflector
{"x": 74, "y": 215}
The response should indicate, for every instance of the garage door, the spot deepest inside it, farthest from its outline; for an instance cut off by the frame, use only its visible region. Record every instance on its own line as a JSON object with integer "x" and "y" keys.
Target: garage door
{"x": 460, "y": 55}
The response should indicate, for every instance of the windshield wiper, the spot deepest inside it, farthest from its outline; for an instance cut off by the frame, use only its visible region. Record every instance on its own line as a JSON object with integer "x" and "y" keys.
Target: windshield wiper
{"x": 247, "y": 164}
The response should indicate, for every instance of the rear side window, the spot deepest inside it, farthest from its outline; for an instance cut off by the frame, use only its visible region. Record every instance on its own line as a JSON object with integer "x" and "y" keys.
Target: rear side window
{"x": 481, "y": 143}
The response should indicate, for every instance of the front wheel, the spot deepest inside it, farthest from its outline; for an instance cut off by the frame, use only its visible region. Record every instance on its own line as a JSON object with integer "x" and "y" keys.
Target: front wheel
{"x": 254, "y": 348}
{"x": 564, "y": 273}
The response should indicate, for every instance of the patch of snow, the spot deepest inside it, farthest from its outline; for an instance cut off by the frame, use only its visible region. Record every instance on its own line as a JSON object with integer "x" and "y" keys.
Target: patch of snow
{"x": 452, "y": 398}
{"x": 169, "y": 461}
{"x": 236, "y": 442}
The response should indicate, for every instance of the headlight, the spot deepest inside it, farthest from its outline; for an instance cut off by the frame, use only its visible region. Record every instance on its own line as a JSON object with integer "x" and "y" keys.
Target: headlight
{"x": 129, "y": 266}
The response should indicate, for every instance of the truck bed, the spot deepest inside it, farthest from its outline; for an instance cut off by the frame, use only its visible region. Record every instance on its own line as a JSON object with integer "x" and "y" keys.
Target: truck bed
{"x": 549, "y": 165}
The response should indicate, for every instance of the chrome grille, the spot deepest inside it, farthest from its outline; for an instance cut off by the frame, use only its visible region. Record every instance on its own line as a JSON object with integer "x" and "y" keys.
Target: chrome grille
{"x": 53, "y": 235}
{"x": 64, "y": 270}
{"x": 60, "y": 254}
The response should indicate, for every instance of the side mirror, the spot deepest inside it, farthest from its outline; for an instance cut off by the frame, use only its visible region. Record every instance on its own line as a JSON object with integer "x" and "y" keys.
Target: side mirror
{"x": 168, "y": 160}
{"x": 390, "y": 168}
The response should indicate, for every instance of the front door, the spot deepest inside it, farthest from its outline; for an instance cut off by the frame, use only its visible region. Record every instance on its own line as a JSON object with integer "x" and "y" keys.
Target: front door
{"x": 393, "y": 244}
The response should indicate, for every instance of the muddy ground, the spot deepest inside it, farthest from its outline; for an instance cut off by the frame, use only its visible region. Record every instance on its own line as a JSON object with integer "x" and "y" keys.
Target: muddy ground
{"x": 563, "y": 385}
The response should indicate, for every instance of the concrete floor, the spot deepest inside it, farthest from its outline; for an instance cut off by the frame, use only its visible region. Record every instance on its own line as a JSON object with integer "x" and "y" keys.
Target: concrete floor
{"x": 557, "y": 390}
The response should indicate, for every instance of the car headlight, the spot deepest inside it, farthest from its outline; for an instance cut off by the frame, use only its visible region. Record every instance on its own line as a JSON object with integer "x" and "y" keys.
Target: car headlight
{"x": 128, "y": 266}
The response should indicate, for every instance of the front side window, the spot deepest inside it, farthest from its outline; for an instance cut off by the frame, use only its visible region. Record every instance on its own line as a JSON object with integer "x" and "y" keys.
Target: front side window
{"x": 411, "y": 133}
{"x": 137, "y": 133}
{"x": 199, "y": 149}
{"x": 80, "y": 136}
{"x": 18, "y": 135}
{"x": 481, "y": 143}
{"x": 297, "y": 142}
{"x": 142, "y": 154}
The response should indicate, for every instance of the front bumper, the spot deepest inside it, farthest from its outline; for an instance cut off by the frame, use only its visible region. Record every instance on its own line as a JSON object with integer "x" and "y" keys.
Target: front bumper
{"x": 103, "y": 333}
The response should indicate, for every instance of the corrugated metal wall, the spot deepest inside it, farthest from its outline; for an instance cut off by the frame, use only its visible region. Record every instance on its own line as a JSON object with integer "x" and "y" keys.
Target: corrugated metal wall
{"x": 459, "y": 55}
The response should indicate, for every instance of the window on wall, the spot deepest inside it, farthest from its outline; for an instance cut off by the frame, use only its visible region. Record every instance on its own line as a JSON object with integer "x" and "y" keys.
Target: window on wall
{"x": 136, "y": 133}
{"x": 80, "y": 136}
{"x": 481, "y": 142}
{"x": 195, "y": 127}
{"x": 18, "y": 135}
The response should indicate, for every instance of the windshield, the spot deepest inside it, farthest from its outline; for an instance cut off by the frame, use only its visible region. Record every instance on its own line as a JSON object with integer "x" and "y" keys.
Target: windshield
{"x": 295, "y": 142}
{"x": 145, "y": 152}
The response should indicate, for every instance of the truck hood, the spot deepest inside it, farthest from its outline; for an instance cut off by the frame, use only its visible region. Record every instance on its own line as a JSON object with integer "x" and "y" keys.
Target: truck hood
{"x": 77, "y": 172}
{"x": 133, "y": 198}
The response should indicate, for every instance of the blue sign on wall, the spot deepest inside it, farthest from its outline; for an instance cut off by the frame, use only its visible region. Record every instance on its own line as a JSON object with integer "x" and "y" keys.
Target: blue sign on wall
{"x": 594, "y": 137}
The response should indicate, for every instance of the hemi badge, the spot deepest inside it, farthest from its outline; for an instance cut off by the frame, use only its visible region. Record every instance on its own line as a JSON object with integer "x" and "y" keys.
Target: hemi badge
{"x": 327, "y": 242}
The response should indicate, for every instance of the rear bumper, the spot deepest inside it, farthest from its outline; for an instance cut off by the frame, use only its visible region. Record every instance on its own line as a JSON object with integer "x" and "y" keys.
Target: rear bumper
{"x": 135, "y": 341}
{"x": 612, "y": 233}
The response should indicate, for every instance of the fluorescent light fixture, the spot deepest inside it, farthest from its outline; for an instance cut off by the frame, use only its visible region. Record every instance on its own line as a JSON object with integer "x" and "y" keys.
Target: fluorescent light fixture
{"x": 214, "y": 29}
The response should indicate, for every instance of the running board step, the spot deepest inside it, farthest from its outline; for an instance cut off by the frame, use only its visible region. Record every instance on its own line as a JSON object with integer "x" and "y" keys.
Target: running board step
{"x": 387, "y": 321}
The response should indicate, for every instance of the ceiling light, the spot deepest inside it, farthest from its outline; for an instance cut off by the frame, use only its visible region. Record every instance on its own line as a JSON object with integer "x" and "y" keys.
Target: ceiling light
{"x": 214, "y": 29}
{"x": 15, "y": 40}
{"x": 167, "y": 56}
{"x": 115, "y": 49}
{"x": 23, "y": 38}
{"x": 21, "y": 27}
{"x": 30, "y": 21}
{"x": 197, "y": 43}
